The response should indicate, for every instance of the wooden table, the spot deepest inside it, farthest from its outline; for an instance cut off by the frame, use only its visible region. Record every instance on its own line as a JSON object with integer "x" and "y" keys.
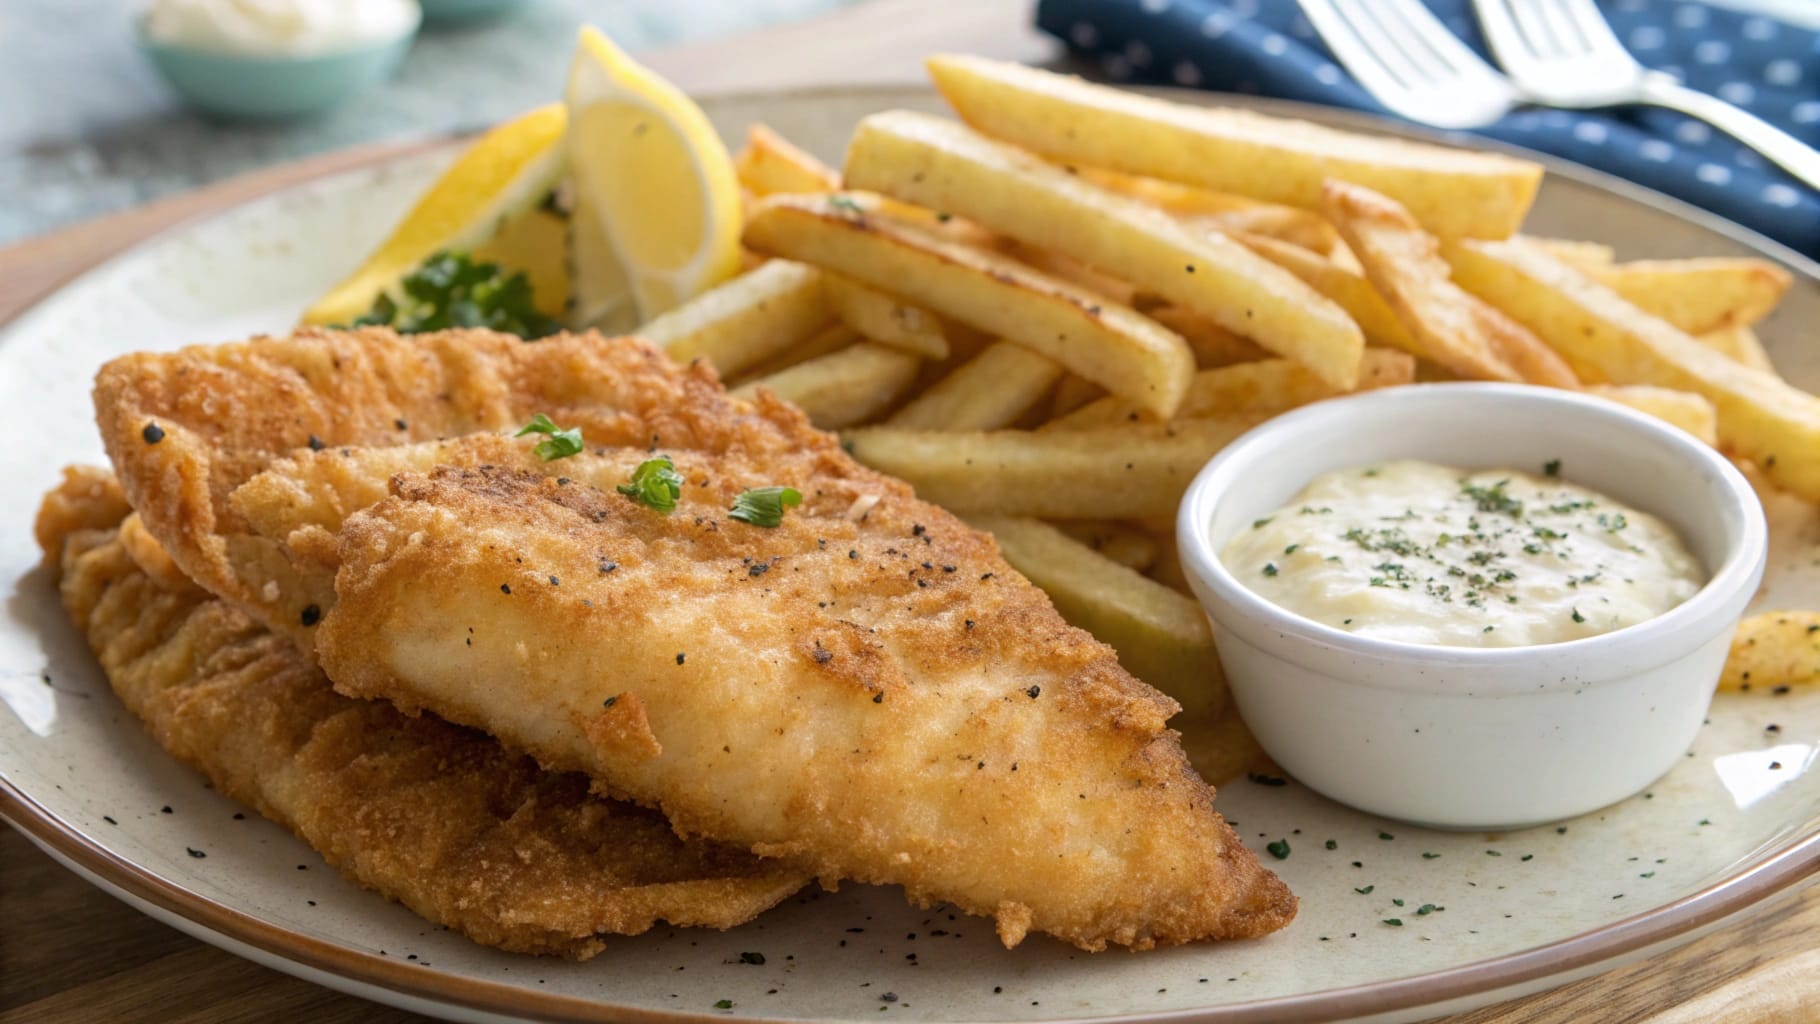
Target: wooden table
{"x": 69, "y": 953}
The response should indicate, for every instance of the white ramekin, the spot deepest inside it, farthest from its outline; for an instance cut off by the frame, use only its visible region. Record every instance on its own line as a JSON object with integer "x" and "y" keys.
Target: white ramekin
{"x": 1489, "y": 738}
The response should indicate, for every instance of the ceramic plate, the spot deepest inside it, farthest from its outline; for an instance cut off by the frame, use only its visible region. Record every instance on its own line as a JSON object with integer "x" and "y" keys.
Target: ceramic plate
{"x": 1483, "y": 917}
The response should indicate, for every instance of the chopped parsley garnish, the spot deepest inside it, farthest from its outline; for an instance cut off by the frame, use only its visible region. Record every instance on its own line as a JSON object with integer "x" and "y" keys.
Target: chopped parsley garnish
{"x": 764, "y": 506}
{"x": 1278, "y": 849}
{"x": 1493, "y": 498}
{"x": 1578, "y": 617}
{"x": 1270, "y": 568}
{"x": 723, "y": 1004}
{"x": 1551, "y": 468}
{"x": 1366, "y": 891}
{"x": 840, "y": 202}
{"x": 1394, "y": 922}
{"x": 655, "y": 484}
{"x": 561, "y": 443}
{"x": 450, "y": 289}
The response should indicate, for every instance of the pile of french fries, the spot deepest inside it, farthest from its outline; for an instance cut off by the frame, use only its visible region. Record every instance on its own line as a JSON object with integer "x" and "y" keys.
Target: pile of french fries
{"x": 1049, "y": 314}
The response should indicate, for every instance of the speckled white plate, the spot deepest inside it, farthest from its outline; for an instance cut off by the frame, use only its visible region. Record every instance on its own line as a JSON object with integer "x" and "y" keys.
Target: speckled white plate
{"x": 1735, "y": 825}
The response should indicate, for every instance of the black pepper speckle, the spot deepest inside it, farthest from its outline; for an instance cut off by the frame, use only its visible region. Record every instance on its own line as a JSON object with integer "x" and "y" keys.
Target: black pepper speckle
{"x": 153, "y": 433}
{"x": 312, "y": 614}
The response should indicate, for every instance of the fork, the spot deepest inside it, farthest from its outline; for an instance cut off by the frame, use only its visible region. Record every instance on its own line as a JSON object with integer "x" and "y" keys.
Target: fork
{"x": 1562, "y": 53}
{"x": 1405, "y": 57}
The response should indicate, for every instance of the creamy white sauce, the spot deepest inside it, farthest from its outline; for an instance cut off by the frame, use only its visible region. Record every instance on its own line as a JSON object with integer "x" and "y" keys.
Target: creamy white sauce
{"x": 278, "y": 27}
{"x": 1426, "y": 554}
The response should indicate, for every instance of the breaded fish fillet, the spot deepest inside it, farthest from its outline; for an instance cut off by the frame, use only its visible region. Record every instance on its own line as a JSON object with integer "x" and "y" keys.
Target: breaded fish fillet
{"x": 184, "y": 428}
{"x": 876, "y": 695}
{"x": 437, "y": 817}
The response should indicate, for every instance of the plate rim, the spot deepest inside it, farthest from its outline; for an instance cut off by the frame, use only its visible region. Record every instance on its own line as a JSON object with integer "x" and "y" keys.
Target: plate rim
{"x": 1777, "y": 872}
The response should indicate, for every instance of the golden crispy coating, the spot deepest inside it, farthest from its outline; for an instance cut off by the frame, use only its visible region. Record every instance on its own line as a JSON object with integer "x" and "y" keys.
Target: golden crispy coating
{"x": 437, "y": 817}
{"x": 185, "y": 428}
{"x": 877, "y": 695}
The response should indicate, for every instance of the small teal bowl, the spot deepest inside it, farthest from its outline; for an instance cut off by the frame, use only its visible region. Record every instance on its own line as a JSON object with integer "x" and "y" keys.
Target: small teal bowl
{"x": 467, "y": 12}
{"x": 267, "y": 88}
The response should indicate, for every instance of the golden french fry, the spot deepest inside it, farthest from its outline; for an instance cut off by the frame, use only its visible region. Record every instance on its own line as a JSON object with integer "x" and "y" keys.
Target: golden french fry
{"x": 845, "y": 387}
{"x": 992, "y": 390}
{"x": 831, "y": 338}
{"x": 1266, "y": 386}
{"x": 745, "y": 321}
{"x": 1128, "y": 545}
{"x": 1450, "y": 326}
{"x": 1698, "y": 295}
{"x": 1127, "y": 471}
{"x": 885, "y": 319}
{"x": 1229, "y": 212}
{"x": 1212, "y": 344}
{"x": 1606, "y": 338}
{"x": 1349, "y": 288}
{"x": 1774, "y": 651}
{"x": 1740, "y": 344}
{"x": 1072, "y": 393}
{"x": 1109, "y": 344}
{"x": 1575, "y": 253}
{"x": 947, "y": 166}
{"x": 1072, "y": 270}
{"x": 1220, "y": 746}
{"x": 1286, "y": 224}
{"x": 1691, "y": 412}
{"x": 1452, "y": 192}
{"x": 770, "y": 163}
{"x": 1160, "y": 636}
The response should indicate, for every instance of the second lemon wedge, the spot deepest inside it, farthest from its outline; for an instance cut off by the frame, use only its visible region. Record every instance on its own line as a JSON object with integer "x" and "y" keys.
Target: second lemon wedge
{"x": 656, "y": 216}
{"x": 490, "y": 197}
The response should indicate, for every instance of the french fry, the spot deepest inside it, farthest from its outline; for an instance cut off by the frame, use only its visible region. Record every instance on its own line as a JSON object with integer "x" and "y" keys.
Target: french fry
{"x": 992, "y": 390}
{"x": 1452, "y": 192}
{"x": 1691, "y": 412}
{"x": 1739, "y": 344}
{"x": 745, "y": 321}
{"x": 831, "y": 338}
{"x": 1575, "y": 253}
{"x": 1606, "y": 338}
{"x": 1072, "y": 393}
{"x": 1160, "y": 636}
{"x": 1228, "y": 212}
{"x": 1450, "y": 326}
{"x": 1111, "y": 345}
{"x": 1774, "y": 650}
{"x": 1122, "y": 472}
{"x": 845, "y": 387}
{"x": 1266, "y": 386}
{"x": 1699, "y": 295}
{"x": 1125, "y": 544}
{"x": 945, "y": 165}
{"x": 886, "y": 320}
{"x": 1212, "y": 344}
{"x": 770, "y": 163}
{"x": 1349, "y": 288}
{"x": 1167, "y": 569}
{"x": 1074, "y": 271}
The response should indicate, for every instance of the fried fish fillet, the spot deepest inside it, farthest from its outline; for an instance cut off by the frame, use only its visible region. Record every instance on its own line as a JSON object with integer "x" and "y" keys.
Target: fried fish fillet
{"x": 184, "y": 429}
{"x": 437, "y": 817}
{"x": 868, "y": 690}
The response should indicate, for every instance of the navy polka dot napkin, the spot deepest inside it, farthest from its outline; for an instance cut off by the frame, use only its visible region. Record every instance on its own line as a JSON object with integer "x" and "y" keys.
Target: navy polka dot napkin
{"x": 1267, "y": 47}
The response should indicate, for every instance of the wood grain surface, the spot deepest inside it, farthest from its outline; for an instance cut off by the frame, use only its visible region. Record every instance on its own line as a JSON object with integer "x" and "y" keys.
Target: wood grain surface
{"x": 71, "y": 953}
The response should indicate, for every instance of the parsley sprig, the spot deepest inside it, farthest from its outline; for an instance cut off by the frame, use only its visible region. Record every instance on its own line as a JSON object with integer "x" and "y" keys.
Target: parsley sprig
{"x": 451, "y": 289}
{"x": 764, "y": 506}
{"x": 655, "y": 484}
{"x": 561, "y": 443}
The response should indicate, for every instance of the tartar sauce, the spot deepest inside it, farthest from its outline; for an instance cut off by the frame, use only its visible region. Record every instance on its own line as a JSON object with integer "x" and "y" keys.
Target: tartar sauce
{"x": 1420, "y": 553}
{"x": 278, "y": 27}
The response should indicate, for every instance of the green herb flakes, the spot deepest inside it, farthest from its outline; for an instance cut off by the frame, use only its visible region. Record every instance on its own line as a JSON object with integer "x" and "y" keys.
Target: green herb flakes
{"x": 450, "y": 289}
{"x": 1278, "y": 849}
{"x": 655, "y": 484}
{"x": 764, "y": 506}
{"x": 560, "y": 444}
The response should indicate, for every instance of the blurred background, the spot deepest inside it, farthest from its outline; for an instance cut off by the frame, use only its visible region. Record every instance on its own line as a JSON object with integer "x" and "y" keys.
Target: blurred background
{"x": 87, "y": 125}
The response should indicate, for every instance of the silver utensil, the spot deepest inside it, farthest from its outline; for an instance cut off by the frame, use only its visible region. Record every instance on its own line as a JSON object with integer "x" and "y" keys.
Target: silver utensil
{"x": 1407, "y": 59}
{"x": 1562, "y": 53}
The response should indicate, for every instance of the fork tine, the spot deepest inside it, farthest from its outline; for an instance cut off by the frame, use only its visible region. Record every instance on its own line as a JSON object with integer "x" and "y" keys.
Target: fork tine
{"x": 1365, "y": 61}
{"x": 1381, "y": 23}
{"x": 1537, "y": 34}
{"x": 1444, "y": 45}
{"x": 1592, "y": 26}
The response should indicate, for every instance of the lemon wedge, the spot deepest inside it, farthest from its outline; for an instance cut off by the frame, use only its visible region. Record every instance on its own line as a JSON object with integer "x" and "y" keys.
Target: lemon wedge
{"x": 489, "y": 202}
{"x": 656, "y": 216}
